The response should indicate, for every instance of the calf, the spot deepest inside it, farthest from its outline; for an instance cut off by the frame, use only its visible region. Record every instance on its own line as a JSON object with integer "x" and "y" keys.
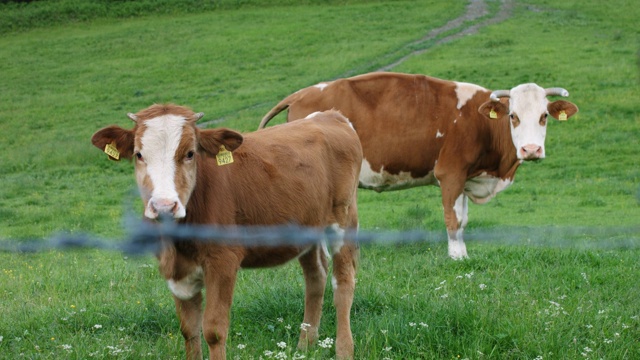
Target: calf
{"x": 418, "y": 130}
{"x": 305, "y": 173}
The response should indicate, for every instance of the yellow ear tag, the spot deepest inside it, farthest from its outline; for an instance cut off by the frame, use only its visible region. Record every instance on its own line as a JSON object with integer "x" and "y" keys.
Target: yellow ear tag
{"x": 224, "y": 156}
{"x": 112, "y": 151}
{"x": 493, "y": 114}
{"x": 562, "y": 116}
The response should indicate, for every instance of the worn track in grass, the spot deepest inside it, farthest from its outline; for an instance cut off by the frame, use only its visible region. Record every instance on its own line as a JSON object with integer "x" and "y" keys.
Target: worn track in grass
{"x": 461, "y": 26}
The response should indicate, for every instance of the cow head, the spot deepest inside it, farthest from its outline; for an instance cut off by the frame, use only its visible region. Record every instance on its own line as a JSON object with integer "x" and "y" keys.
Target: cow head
{"x": 166, "y": 145}
{"x": 527, "y": 109}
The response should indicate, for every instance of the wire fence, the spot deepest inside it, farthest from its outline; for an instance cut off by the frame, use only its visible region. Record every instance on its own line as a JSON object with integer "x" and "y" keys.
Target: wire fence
{"x": 142, "y": 236}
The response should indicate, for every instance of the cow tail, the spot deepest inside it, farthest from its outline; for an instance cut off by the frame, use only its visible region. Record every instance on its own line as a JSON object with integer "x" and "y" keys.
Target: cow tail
{"x": 282, "y": 105}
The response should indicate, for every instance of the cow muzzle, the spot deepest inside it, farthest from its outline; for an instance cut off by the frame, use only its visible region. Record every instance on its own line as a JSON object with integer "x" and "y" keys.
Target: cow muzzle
{"x": 170, "y": 207}
{"x": 531, "y": 152}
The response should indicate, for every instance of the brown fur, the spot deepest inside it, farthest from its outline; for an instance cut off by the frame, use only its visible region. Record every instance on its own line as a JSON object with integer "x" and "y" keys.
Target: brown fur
{"x": 397, "y": 117}
{"x": 304, "y": 173}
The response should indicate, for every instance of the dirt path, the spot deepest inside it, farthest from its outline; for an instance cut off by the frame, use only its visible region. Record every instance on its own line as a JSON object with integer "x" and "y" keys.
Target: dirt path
{"x": 476, "y": 9}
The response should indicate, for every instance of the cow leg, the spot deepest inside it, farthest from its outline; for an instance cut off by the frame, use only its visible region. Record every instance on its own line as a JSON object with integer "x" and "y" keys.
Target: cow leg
{"x": 314, "y": 267}
{"x": 455, "y": 205}
{"x": 345, "y": 256}
{"x": 219, "y": 284}
{"x": 190, "y": 314}
{"x": 455, "y": 217}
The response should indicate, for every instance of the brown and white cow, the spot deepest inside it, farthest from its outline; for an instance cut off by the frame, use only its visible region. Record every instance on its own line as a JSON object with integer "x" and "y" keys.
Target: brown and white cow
{"x": 418, "y": 130}
{"x": 304, "y": 173}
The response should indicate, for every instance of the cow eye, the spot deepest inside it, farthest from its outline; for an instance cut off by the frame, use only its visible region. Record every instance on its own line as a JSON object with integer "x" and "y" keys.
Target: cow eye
{"x": 543, "y": 119}
{"x": 514, "y": 120}
{"x": 190, "y": 155}
{"x": 139, "y": 156}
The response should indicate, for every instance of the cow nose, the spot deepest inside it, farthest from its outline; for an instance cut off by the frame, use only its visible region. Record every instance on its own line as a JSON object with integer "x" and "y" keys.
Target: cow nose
{"x": 157, "y": 207}
{"x": 531, "y": 152}
{"x": 164, "y": 206}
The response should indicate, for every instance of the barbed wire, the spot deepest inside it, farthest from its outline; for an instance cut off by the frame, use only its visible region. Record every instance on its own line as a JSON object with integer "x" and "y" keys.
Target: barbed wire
{"x": 143, "y": 237}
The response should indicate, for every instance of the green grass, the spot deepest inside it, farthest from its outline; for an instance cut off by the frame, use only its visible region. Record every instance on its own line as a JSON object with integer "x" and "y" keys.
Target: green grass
{"x": 520, "y": 296}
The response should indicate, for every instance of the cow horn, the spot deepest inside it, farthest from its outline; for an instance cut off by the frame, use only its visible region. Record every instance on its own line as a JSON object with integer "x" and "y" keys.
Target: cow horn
{"x": 199, "y": 116}
{"x": 556, "y": 91}
{"x": 133, "y": 117}
{"x": 500, "y": 93}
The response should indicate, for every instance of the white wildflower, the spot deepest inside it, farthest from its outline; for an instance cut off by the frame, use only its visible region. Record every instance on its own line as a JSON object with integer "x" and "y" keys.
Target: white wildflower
{"x": 412, "y": 324}
{"x": 482, "y": 286}
{"x": 387, "y": 349}
{"x": 241, "y": 346}
{"x": 424, "y": 325}
{"x": 97, "y": 326}
{"x": 304, "y": 326}
{"x": 280, "y": 319}
{"x": 282, "y": 345}
{"x": 281, "y": 355}
{"x": 326, "y": 343}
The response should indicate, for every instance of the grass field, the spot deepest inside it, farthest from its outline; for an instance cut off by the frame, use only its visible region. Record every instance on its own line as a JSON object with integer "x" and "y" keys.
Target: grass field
{"x": 64, "y": 74}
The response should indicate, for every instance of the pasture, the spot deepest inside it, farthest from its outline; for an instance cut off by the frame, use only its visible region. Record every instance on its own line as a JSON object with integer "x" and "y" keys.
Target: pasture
{"x": 533, "y": 294}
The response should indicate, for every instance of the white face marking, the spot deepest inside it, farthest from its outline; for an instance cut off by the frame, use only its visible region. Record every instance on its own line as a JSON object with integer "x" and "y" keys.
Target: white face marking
{"x": 383, "y": 181}
{"x": 439, "y": 134}
{"x": 528, "y": 102}
{"x": 187, "y": 287}
{"x": 321, "y": 86}
{"x": 465, "y": 91}
{"x": 483, "y": 187}
{"x": 159, "y": 144}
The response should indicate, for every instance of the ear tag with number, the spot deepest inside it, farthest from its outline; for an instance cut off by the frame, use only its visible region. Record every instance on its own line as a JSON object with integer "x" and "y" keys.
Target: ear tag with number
{"x": 112, "y": 151}
{"x": 224, "y": 156}
{"x": 562, "y": 116}
{"x": 493, "y": 114}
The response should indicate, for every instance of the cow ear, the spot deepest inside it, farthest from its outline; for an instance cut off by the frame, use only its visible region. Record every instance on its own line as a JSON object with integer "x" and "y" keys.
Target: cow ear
{"x": 211, "y": 140}
{"x": 115, "y": 141}
{"x": 562, "y": 109}
{"x": 494, "y": 109}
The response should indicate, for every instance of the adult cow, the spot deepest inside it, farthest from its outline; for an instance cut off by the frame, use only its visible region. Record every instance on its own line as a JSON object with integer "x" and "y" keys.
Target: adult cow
{"x": 418, "y": 130}
{"x": 305, "y": 172}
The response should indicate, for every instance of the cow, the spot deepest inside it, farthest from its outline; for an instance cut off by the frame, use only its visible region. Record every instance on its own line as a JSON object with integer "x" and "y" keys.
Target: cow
{"x": 418, "y": 130}
{"x": 304, "y": 173}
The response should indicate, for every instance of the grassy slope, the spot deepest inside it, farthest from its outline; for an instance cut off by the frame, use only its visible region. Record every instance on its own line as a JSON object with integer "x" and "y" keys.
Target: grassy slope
{"x": 61, "y": 84}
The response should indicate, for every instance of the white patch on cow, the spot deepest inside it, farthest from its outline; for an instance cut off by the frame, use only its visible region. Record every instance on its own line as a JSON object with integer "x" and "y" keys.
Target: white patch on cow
{"x": 159, "y": 144}
{"x": 187, "y": 287}
{"x": 335, "y": 235}
{"x": 439, "y": 134}
{"x": 321, "y": 86}
{"x": 465, "y": 91}
{"x": 457, "y": 248}
{"x": 461, "y": 208}
{"x": 384, "y": 181}
{"x": 528, "y": 102}
{"x": 312, "y": 115}
{"x": 484, "y": 187}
